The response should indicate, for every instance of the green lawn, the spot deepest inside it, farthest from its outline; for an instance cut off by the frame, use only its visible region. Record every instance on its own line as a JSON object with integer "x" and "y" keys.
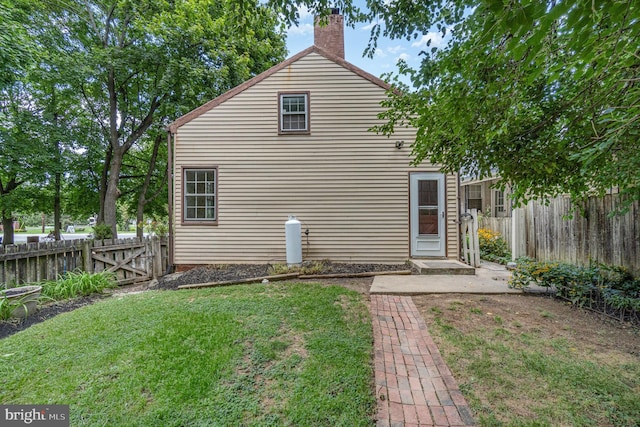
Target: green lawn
{"x": 526, "y": 361}
{"x": 82, "y": 229}
{"x": 245, "y": 355}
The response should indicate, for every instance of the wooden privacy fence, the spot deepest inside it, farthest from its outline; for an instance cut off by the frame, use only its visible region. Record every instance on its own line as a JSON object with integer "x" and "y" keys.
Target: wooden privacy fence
{"x": 131, "y": 260}
{"x": 547, "y": 234}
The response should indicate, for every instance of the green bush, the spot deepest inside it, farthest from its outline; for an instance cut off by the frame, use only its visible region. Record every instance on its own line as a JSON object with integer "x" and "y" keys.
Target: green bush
{"x": 612, "y": 290}
{"x": 156, "y": 227}
{"x": 8, "y": 305}
{"x": 76, "y": 284}
{"x": 102, "y": 231}
{"x": 315, "y": 267}
{"x": 493, "y": 247}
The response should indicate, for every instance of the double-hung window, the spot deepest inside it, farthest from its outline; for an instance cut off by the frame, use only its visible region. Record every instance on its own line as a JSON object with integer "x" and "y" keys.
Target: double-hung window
{"x": 294, "y": 113}
{"x": 474, "y": 196}
{"x": 499, "y": 203}
{"x": 200, "y": 195}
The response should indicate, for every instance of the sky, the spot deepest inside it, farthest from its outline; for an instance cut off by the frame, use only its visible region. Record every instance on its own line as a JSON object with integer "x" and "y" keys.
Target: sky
{"x": 356, "y": 41}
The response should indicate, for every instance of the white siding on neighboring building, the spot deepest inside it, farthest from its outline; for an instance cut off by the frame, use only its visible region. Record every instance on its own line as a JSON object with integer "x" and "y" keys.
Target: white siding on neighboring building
{"x": 348, "y": 186}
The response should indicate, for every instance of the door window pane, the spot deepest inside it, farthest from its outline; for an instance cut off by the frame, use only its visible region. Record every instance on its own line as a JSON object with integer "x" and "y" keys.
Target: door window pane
{"x": 428, "y": 220}
{"x": 428, "y": 193}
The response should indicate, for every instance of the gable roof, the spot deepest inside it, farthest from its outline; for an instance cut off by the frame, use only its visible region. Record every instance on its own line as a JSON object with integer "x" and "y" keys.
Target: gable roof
{"x": 173, "y": 126}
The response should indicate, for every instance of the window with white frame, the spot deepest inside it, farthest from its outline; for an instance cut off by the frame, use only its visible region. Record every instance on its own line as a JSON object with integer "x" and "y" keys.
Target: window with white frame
{"x": 499, "y": 203}
{"x": 200, "y": 195}
{"x": 294, "y": 112}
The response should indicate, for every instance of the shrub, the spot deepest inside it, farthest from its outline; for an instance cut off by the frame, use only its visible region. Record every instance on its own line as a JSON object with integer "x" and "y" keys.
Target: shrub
{"x": 102, "y": 231}
{"x": 611, "y": 290}
{"x": 75, "y": 284}
{"x": 155, "y": 227}
{"x": 8, "y": 305}
{"x": 493, "y": 247}
{"x": 314, "y": 267}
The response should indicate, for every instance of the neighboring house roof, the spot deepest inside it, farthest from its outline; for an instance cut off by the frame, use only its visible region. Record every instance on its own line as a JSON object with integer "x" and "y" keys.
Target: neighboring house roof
{"x": 471, "y": 180}
{"x": 173, "y": 127}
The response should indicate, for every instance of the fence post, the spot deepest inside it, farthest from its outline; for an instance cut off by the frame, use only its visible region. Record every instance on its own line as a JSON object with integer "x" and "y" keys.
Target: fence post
{"x": 474, "y": 240}
{"x": 156, "y": 250}
{"x": 86, "y": 256}
{"x": 465, "y": 242}
{"x": 518, "y": 233}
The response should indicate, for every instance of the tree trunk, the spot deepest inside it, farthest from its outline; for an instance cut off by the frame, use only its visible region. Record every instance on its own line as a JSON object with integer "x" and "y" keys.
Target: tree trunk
{"x": 142, "y": 196}
{"x": 7, "y": 217}
{"x": 7, "y": 225}
{"x": 112, "y": 193}
{"x": 140, "y": 216}
{"x": 57, "y": 217}
{"x": 57, "y": 214}
{"x": 104, "y": 178}
{"x": 118, "y": 151}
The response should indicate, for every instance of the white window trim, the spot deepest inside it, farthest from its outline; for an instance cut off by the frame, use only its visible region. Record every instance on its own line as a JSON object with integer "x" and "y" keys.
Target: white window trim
{"x": 498, "y": 194}
{"x": 281, "y": 113}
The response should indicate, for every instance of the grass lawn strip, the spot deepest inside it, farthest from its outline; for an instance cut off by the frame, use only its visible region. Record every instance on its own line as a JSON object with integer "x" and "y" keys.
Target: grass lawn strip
{"x": 252, "y": 355}
{"x": 514, "y": 371}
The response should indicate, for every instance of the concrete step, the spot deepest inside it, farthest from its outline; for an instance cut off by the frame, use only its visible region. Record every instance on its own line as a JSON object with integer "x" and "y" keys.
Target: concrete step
{"x": 442, "y": 267}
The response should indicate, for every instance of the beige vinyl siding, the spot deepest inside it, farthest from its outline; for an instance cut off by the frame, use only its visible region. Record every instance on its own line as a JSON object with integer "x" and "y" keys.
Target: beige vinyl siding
{"x": 452, "y": 200}
{"x": 348, "y": 186}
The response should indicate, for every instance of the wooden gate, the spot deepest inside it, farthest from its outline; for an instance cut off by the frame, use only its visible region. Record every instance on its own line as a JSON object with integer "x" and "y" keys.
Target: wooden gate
{"x": 131, "y": 260}
{"x": 470, "y": 243}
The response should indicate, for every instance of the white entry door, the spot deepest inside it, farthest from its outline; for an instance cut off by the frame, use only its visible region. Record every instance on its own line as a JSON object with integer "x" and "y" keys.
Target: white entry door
{"x": 427, "y": 216}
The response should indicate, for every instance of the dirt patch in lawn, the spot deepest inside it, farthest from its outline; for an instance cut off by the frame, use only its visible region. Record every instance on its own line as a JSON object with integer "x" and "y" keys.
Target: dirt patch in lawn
{"x": 518, "y": 314}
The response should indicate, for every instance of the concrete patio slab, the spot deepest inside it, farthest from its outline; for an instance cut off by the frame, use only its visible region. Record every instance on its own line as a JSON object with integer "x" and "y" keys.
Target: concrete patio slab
{"x": 490, "y": 278}
{"x": 439, "y": 267}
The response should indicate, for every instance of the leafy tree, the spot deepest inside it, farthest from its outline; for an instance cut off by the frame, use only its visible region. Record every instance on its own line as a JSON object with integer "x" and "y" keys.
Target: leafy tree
{"x": 144, "y": 179}
{"x": 139, "y": 64}
{"x": 16, "y": 47}
{"x": 16, "y": 53}
{"x": 58, "y": 137}
{"x": 546, "y": 94}
{"x": 23, "y": 162}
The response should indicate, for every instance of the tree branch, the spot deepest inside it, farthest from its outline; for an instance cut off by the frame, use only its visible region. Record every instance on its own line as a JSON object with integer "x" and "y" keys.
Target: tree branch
{"x": 145, "y": 123}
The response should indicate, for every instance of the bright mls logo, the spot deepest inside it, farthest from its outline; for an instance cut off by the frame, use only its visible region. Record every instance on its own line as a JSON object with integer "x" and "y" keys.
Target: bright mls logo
{"x": 34, "y": 415}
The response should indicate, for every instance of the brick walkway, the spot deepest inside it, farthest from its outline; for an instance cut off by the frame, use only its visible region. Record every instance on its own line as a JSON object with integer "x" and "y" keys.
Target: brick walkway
{"x": 414, "y": 387}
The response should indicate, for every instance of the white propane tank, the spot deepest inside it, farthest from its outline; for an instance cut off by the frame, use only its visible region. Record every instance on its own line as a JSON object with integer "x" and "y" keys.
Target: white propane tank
{"x": 294, "y": 241}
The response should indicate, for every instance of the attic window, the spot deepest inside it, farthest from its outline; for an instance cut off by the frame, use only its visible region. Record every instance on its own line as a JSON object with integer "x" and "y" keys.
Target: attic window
{"x": 294, "y": 113}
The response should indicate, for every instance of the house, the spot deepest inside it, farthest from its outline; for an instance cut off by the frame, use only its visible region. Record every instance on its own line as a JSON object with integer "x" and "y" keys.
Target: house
{"x": 296, "y": 140}
{"x": 485, "y": 196}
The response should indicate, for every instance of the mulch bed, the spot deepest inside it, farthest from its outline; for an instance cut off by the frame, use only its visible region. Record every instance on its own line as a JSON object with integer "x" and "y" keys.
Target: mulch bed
{"x": 47, "y": 311}
{"x": 206, "y": 274}
{"x": 213, "y": 273}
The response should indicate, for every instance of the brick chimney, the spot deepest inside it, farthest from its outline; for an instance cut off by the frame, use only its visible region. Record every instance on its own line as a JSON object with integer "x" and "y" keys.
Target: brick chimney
{"x": 330, "y": 37}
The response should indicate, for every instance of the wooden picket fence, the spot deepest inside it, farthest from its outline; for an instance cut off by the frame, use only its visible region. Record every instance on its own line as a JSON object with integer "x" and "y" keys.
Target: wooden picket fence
{"x": 470, "y": 243}
{"x": 131, "y": 260}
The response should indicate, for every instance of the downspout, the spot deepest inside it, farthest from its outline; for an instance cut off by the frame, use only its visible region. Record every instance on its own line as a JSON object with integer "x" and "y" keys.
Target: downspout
{"x": 170, "y": 195}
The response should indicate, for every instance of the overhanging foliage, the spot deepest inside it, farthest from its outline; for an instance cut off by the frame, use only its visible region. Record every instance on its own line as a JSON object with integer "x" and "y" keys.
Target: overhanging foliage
{"x": 545, "y": 94}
